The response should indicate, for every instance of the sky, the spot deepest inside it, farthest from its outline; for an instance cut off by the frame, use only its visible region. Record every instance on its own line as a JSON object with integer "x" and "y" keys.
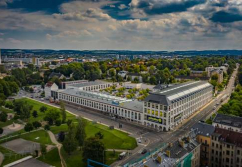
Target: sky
{"x": 121, "y": 24}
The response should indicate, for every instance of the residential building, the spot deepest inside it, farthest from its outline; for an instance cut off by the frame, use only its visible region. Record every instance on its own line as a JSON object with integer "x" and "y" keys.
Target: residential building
{"x": 228, "y": 122}
{"x": 183, "y": 152}
{"x": 165, "y": 109}
{"x": 49, "y": 87}
{"x": 134, "y": 76}
{"x": 203, "y": 135}
{"x": 226, "y": 148}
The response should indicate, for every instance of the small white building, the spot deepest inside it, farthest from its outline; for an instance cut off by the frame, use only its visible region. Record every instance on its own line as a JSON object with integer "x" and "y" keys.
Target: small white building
{"x": 48, "y": 88}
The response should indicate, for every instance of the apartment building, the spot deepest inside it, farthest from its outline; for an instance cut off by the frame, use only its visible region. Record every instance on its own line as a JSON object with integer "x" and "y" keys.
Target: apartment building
{"x": 167, "y": 108}
{"x": 203, "y": 133}
{"x": 228, "y": 122}
{"x": 226, "y": 148}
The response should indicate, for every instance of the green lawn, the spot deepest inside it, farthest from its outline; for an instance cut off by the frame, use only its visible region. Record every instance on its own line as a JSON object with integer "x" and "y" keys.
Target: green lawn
{"x": 42, "y": 134}
{"x": 113, "y": 139}
{"x": 10, "y": 156}
{"x": 37, "y": 105}
{"x": 75, "y": 159}
{"x": 6, "y": 110}
{"x": 52, "y": 158}
{"x": 8, "y": 122}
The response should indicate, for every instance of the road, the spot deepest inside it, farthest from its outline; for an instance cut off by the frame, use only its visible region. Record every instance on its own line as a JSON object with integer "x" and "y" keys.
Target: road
{"x": 150, "y": 138}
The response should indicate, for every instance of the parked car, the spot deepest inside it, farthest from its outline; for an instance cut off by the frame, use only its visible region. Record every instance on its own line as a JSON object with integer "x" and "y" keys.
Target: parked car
{"x": 143, "y": 151}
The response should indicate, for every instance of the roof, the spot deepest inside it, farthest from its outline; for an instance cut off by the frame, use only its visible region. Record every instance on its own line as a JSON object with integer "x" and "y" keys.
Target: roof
{"x": 203, "y": 129}
{"x": 176, "y": 92}
{"x": 161, "y": 86}
{"x": 54, "y": 74}
{"x": 229, "y": 136}
{"x": 91, "y": 83}
{"x": 104, "y": 98}
{"x": 229, "y": 120}
{"x": 49, "y": 84}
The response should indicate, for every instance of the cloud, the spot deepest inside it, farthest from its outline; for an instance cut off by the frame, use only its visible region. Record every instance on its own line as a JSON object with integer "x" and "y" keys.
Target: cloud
{"x": 1, "y": 34}
{"x": 122, "y": 6}
{"x": 163, "y": 7}
{"x": 14, "y": 41}
{"x": 68, "y": 34}
{"x": 226, "y": 17}
{"x": 4, "y": 3}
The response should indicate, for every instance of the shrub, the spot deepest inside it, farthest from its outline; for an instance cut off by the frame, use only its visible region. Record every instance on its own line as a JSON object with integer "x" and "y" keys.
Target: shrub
{"x": 58, "y": 122}
{"x": 47, "y": 127}
{"x": 28, "y": 127}
{"x": 36, "y": 124}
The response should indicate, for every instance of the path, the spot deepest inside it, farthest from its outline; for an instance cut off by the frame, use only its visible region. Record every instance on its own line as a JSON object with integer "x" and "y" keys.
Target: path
{"x": 1, "y": 158}
{"x": 59, "y": 145}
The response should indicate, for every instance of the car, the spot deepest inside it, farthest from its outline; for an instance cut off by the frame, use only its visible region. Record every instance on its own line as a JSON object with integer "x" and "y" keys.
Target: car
{"x": 143, "y": 151}
{"x": 139, "y": 140}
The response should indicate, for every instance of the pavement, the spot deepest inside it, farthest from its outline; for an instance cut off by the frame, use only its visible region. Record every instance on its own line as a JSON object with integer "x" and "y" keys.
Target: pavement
{"x": 31, "y": 163}
{"x": 152, "y": 138}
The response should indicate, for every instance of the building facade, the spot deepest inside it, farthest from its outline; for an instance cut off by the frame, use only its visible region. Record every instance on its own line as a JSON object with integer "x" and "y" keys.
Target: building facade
{"x": 203, "y": 133}
{"x": 166, "y": 109}
{"x": 226, "y": 148}
{"x": 228, "y": 122}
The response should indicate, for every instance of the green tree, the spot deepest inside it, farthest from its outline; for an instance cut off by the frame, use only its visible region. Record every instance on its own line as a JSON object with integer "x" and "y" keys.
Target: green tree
{"x": 1, "y": 131}
{"x": 43, "y": 150}
{"x": 35, "y": 114}
{"x": 43, "y": 109}
{"x": 80, "y": 131}
{"x": 94, "y": 149}
{"x": 63, "y": 111}
{"x": 51, "y": 116}
{"x": 3, "y": 116}
{"x": 70, "y": 143}
{"x": 28, "y": 127}
{"x": 99, "y": 135}
{"x": 36, "y": 124}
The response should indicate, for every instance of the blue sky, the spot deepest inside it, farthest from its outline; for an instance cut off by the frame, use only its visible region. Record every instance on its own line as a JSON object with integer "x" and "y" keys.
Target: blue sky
{"x": 121, "y": 24}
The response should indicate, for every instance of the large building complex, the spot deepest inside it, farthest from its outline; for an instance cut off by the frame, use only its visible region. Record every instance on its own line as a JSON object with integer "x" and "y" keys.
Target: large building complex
{"x": 162, "y": 110}
{"x": 167, "y": 108}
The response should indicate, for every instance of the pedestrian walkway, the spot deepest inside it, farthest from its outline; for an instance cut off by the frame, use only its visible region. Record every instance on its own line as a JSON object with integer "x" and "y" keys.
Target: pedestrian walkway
{"x": 58, "y": 145}
{"x": 1, "y": 158}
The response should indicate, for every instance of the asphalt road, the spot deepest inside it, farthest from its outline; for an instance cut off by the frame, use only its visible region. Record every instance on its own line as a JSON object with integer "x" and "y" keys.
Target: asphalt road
{"x": 150, "y": 138}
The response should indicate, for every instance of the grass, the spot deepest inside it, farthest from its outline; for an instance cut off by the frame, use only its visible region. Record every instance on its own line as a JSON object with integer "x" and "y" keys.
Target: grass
{"x": 75, "y": 159}
{"x": 113, "y": 139}
{"x": 6, "y": 110}
{"x": 10, "y": 156}
{"x": 52, "y": 158}
{"x": 42, "y": 134}
{"x": 37, "y": 105}
{"x": 8, "y": 122}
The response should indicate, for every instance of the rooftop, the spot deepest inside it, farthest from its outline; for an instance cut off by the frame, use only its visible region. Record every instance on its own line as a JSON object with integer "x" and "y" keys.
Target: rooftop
{"x": 228, "y": 120}
{"x": 90, "y": 83}
{"x": 176, "y": 92}
{"x": 203, "y": 129}
{"x": 104, "y": 98}
{"x": 229, "y": 136}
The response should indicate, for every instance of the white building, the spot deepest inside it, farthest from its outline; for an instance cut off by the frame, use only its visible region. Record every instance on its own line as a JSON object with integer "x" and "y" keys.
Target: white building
{"x": 49, "y": 87}
{"x": 228, "y": 122}
{"x": 165, "y": 109}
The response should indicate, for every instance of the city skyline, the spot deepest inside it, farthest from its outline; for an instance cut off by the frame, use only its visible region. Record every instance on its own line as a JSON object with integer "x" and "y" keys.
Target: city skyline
{"x": 121, "y": 25}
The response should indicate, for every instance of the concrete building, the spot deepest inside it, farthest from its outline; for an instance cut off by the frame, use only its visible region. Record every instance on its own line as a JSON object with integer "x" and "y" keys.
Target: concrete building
{"x": 165, "y": 109}
{"x": 183, "y": 152}
{"x": 228, "y": 122}
{"x": 203, "y": 135}
{"x": 226, "y": 149}
{"x": 91, "y": 86}
{"x": 224, "y": 68}
{"x": 49, "y": 87}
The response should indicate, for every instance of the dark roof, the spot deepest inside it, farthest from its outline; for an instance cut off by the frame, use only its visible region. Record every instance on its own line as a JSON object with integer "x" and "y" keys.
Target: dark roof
{"x": 228, "y": 120}
{"x": 134, "y": 74}
{"x": 177, "y": 92}
{"x": 161, "y": 86}
{"x": 229, "y": 136}
{"x": 192, "y": 77}
{"x": 203, "y": 129}
{"x": 54, "y": 74}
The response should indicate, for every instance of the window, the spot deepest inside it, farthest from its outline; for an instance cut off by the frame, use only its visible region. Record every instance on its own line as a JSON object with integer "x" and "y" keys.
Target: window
{"x": 227, "y": 152}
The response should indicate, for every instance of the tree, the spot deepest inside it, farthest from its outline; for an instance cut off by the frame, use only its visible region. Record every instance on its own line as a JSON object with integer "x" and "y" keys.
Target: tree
{"x": 35, "y": 114}
{"x": 43, "y": 149}
{"x": 43, "y": 109}
{"x": 93, "y": 149}
{"x": 3, "y": 116}
{"x": 28, "y": 127}
{"x": 69, "y": 121}
{"x": 61, "y": 136}
{"x": 58, "y": 122}
{"x": 70, "y": 143}
{"x": 47, "y": 127}
{"x": 99, "y": 135}
{"x": 36, "y": 124}
{"x": 51, "y": 116}
{"x": 1, "y": 131}
{"x": 80, "y": 131}
{"x": 63, "y": 111}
